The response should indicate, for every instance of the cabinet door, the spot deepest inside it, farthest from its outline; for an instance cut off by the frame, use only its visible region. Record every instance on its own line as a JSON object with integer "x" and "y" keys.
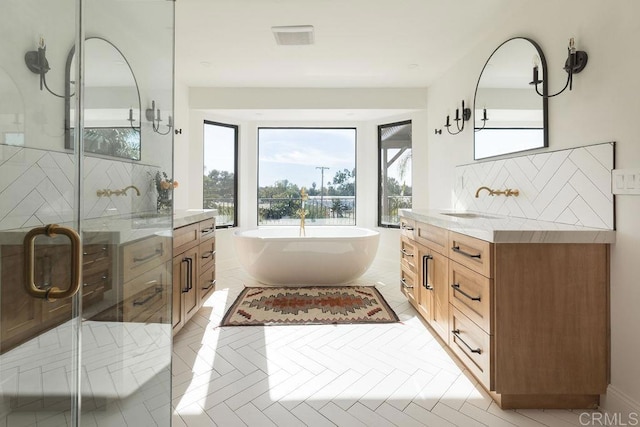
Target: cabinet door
{"x": 190, "y": 291}
{"x": 179, "y": 284}
{"x": 433, "y": 294}
{"x": 437, "y": 278}
{"x": 424, "y": 286}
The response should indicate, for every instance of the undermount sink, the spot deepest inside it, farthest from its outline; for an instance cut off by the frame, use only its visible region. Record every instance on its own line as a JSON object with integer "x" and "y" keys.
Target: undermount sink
{"x": 150, "y": 220}
{"x": 468, "y": 215}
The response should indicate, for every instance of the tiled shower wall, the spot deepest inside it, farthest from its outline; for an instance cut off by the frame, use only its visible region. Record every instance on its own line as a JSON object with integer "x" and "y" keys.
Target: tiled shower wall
{"x": 40, "y": 185}
{"x": 570, "y": 186}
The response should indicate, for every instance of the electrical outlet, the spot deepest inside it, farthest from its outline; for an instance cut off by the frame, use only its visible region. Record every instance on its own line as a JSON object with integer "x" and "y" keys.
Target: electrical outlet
{"x": 625, "y": 181}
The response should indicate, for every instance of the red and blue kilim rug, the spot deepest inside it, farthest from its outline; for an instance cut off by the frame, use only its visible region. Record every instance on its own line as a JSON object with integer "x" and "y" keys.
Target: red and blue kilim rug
{"x": 309, "y": 305}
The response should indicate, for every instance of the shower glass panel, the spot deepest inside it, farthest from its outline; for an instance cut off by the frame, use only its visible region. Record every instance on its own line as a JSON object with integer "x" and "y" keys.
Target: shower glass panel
{"x": 85, "y": 272}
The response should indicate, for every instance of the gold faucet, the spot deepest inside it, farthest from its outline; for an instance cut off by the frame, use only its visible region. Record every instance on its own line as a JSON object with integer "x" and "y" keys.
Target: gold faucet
{"x": 301, "y": 211}
{"x": 108, "y": 193}
{"x": 124, "y": 190}
{"x": 507, "y": 192}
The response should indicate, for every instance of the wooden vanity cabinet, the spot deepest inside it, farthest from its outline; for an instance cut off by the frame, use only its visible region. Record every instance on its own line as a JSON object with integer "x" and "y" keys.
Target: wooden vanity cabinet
{"x": 193, "y": 269}
{"x": 427, "y": 268}
{"x": 529, "y": 321}
{"x": 24, "y": 317}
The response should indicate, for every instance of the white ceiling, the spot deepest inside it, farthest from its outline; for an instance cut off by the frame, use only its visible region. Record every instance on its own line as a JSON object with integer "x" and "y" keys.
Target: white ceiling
{"x": 358, "y": 43}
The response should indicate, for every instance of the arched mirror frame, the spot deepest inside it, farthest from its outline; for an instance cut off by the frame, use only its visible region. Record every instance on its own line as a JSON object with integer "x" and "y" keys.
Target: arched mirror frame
{"x": 69, "y": 142}
{"x": 544, "y": 99}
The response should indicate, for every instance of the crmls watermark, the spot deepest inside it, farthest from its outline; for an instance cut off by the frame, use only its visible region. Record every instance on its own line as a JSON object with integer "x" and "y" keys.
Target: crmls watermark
{"x": 609, "y": 419}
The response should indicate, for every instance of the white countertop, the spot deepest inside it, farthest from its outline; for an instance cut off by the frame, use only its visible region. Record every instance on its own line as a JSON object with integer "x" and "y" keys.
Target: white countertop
{"x": 120, "y": 229}
{"x": 503, "y": 229}
{"x": 182, "y": 217}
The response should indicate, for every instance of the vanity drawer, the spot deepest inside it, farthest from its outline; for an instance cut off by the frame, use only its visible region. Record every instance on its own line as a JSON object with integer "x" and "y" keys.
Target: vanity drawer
{"x": 207, "y": 254}
{"x": 207, "y": 229}
{"x": 144, "y": 255}
{"x": 184, "y": 238}
{"x": 471, "y": 293}
{"x": 471, "y": 252}
{"x": 407, "y": 226}
{"x": 408, "y": 284}
{"x": 472, "y": 345}
{"x": 207, "y": 283}
{"x": 147, "y": 295}
{"x": 433, "y": 237}
{"x": 408, "y": 253}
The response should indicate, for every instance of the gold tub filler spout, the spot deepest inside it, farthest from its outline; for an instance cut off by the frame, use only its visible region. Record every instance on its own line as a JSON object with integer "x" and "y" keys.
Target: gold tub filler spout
{"x": 507, "y": 192}
{"x": 301, "y": 211}
{"x": 108, "y": 193}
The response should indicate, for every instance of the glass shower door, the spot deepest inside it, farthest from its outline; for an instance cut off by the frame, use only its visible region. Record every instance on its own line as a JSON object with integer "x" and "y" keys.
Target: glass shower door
{"x": 40, "y": 238}
{"x": 85, "y": 271}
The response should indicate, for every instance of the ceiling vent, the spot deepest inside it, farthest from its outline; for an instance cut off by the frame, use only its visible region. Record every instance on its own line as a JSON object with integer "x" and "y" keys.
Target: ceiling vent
{"x": 293, "y": 35}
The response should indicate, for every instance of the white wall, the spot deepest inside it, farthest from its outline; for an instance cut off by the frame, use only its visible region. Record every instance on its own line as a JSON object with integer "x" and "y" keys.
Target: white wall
{"x": 601, "y": 108}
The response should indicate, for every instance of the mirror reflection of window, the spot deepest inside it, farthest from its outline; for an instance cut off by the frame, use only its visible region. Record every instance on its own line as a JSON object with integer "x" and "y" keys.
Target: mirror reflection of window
{"x": 509, "y": 115}
{"x": 11, "y": 111}
{"x": 112, "y": 102}
{"x": 395, "y": 186}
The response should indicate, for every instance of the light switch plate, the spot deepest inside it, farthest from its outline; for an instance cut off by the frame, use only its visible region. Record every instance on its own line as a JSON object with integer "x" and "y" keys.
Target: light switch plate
{"x": 625, "y": 181}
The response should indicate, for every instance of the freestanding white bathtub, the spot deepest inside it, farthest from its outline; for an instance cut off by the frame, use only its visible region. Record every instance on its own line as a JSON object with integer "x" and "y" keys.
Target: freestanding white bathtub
{"x": 325, "y": 256}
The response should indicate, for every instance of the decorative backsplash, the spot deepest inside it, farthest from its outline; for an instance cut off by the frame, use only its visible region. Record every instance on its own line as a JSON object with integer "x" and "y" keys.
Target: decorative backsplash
{"x": 570, "y": 186}
{"x": 40, "y": 185}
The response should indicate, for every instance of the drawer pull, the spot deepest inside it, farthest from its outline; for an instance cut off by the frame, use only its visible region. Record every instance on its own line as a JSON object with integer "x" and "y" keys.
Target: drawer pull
{"x": 405, "y": 285}
{"x": 456, "y": 287}
{"x": 425, "y": 272}
{"x": 149, "y": 298}
{"x": 456, "y": 332}
{"x": 102, "y": 249}
{"x": 212, "y": 283}
{"x": 207, "y": 230}
{"x": 208, "y": 254}
{"x": 148, "y": 257}
{"x": 405, "y": 253}
{"x": 457, "y": 249}
{"x": 406, "y": 227}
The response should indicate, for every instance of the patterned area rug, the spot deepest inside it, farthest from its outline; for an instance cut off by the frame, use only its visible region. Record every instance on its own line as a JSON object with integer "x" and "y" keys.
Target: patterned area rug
{"x": 309, "y": 305}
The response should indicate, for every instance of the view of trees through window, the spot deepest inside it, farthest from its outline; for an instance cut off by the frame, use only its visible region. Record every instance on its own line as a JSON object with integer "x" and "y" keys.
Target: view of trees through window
{"x": 394, "y": 142}
{"x": 220, "y": 171}
{"x": 322, "y": 160}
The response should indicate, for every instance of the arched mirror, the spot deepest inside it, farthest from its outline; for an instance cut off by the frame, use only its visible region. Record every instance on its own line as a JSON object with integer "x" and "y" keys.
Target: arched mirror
{"x": 11, "y": 111}
{"x": 111, "y": 99}
{"x": 509, "y": 115}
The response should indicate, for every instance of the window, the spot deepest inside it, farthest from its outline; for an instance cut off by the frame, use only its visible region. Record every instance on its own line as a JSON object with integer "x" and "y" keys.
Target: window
{"x": 394, "y": 188}
{"x": 220, "y": 183}
{"x": 322, "y": 160}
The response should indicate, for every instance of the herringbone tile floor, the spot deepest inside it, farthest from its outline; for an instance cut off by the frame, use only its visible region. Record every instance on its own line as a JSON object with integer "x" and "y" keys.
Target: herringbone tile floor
{"x": 329, "y": 375}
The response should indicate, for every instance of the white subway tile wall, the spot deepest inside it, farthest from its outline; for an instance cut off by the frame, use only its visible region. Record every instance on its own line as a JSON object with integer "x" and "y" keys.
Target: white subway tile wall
{"x": 571, "y": 186}
{"x": 40, "y": 185}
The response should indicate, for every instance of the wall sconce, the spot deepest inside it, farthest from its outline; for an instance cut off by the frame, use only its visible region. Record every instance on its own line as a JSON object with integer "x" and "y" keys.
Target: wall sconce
{"x": 576, "y": 61}
{"x": 131, "y": 120}
{"x": 466, "y": 115}
{"x": 484, "y": 120}
{"x": 36, "y": 61}
{"x": 153, "y": 115}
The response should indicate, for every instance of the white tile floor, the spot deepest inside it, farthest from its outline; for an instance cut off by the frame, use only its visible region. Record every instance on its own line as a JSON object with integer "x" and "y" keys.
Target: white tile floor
{"x": 328, "y": 375}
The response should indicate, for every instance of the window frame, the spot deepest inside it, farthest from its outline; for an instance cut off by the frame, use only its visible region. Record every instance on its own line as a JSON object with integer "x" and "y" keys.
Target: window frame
{"x": 236, "y": 129}
{"x": 380, "y": 183}
{"x": 355, "y": 167}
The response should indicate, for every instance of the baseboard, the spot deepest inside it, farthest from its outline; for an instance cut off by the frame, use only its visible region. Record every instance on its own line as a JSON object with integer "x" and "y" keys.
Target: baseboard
{"x": 617, "y": 402}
